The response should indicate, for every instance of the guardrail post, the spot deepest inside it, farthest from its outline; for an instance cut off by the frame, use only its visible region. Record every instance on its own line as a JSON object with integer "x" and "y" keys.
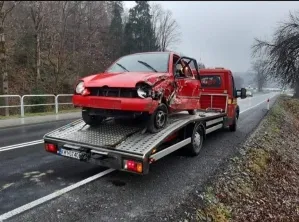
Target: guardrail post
{"x": 22, "y": 107}
{"x": 56, "y": 104}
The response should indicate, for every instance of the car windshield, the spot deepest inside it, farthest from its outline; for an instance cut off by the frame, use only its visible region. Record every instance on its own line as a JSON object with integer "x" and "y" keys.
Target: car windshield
{"x": 141, "y": 62}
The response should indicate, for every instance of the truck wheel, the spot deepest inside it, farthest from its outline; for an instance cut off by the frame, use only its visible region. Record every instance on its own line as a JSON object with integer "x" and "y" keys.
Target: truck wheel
{"x": 158, "y": 120}
{"x": 233, "y": 127}
{"x": 192, "y": 112}
{"x": 238, "y": 112}
{"x": 197, "y": 138}
{"x": 91, "y": 120}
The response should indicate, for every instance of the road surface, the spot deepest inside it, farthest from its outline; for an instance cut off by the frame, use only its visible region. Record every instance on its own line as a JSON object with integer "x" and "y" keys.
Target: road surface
{"x": 31, "y": 175}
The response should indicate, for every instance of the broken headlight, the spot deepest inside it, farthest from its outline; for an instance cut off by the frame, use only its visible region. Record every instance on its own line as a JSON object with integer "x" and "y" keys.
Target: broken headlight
{"x": 144, "y": 90}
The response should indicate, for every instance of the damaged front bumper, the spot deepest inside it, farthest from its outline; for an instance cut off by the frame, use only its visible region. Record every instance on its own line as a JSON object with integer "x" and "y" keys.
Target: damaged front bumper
{"x": 110, "y": 103}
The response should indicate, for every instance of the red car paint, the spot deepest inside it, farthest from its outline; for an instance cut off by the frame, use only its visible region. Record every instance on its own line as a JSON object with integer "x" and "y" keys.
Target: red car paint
{"x": 177, "y": 93}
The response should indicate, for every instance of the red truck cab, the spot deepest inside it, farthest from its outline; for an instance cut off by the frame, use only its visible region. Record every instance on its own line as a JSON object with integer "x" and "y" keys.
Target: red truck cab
{"x": 220, "y": 94}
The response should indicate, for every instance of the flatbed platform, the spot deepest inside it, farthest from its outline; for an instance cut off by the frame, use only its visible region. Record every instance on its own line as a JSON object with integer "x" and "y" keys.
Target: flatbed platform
{"x": 126, "y": 138}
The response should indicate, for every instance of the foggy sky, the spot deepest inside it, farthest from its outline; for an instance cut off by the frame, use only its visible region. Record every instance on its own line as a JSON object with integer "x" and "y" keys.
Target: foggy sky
{"x": 221, "y": 33}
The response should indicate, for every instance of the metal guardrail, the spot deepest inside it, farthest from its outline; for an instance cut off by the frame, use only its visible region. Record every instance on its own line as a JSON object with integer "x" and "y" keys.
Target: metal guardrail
{"x": 22, "y": 104}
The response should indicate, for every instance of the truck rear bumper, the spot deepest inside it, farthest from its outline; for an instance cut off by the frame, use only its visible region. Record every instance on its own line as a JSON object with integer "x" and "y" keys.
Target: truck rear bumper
{"x": 125, "y": 104}
{"x": 104, "y": 159}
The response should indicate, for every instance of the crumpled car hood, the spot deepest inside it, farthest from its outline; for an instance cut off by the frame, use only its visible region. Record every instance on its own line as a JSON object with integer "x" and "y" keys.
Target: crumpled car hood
{"x": 123, "y": 79}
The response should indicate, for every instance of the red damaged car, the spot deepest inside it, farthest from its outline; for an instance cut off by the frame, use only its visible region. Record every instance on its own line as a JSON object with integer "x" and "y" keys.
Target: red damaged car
{"x": 149, "y": 85}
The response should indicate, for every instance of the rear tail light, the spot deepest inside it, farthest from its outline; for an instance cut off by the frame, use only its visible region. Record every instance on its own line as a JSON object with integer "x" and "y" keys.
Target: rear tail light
{"x": 51, "y": 147}
{"x": 132, "y": 165}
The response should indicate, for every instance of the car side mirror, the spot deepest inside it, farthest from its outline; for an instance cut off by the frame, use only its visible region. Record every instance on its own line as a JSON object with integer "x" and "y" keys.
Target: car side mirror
{"x": 242, "y": 93}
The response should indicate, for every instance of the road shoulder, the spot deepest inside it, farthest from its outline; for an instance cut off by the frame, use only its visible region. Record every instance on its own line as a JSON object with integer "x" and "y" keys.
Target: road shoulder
{"x": 38, "y": 119}
{"x": 260, "y": 183}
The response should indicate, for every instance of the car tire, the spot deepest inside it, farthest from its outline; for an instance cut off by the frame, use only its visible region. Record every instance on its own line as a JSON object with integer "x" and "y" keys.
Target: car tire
{"x": 91, "y": 120}
{"x": 158, "y": 120}
{"x": 193, "y": 149}
{"x": 192, "y": 112}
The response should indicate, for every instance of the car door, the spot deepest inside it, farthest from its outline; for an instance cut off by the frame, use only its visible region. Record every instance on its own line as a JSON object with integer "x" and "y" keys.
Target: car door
{"x": 187, "y": 93}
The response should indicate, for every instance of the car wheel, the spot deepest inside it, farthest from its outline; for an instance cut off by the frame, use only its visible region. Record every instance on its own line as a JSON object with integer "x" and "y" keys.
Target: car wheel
{"x": 158, "y": 120}
{"x": 91, "y": 120}
{"x": 192, "y": 112}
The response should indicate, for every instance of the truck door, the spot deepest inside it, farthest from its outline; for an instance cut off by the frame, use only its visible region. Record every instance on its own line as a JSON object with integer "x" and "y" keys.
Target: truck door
{"x": 232, "y": 98}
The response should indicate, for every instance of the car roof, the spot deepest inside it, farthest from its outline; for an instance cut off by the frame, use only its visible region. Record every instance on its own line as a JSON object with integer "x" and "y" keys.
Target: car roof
{"x": 150, "y": 53}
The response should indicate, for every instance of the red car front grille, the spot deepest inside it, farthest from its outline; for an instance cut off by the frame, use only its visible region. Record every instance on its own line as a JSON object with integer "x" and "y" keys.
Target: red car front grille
{"x": 113, "y": 92}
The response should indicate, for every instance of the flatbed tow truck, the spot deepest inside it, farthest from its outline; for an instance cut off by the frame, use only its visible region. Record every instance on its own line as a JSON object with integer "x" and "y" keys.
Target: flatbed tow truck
{"x": 126, "y": 146}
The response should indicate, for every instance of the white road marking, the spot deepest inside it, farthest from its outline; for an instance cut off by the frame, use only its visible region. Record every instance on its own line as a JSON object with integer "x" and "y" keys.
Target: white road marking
{"x": 69, "y": 188}
{"x": 20, "y": 145}
{"x": 52, "y": 195}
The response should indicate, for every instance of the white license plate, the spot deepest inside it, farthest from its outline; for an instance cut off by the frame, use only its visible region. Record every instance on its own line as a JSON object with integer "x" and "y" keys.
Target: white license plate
{"x": 69, "y": 153}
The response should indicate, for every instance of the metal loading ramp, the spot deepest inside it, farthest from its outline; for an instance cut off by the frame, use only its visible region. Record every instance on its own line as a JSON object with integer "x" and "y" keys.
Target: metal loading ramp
{"x": 125, "y": 137}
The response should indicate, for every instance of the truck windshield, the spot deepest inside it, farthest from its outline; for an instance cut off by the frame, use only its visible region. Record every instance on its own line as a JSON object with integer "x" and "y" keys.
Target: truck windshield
{"x": 141, "y": 62}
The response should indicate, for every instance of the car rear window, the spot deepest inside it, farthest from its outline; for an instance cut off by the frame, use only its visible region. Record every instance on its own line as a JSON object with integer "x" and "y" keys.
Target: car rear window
{"x": 212, "y": 81}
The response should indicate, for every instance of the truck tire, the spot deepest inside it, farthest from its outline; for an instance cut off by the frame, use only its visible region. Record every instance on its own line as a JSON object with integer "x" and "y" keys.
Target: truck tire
{"x": 233, "y": 127}
{"x": 238, "y": 112}
{"x": 193, "y": 149}
{"x": 91, "y": 120}
{"x": 158, "y": 120}
{"x": 192, "y": 112}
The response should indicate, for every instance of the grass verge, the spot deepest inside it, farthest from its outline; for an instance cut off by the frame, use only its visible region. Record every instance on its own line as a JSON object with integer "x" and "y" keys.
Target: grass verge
{"x": 262, "y": 183}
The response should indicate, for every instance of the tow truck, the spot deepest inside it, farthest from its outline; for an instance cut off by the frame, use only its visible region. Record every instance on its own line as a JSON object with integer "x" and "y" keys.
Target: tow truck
{"x": 127, "y": 146}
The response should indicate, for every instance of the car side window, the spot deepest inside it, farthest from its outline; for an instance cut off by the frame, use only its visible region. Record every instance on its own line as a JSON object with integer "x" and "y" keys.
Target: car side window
{"x": 178, "y": 68}
{"x": 184, "y": 70}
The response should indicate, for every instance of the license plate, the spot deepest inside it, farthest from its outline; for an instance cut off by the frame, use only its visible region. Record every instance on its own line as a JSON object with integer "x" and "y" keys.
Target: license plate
{"x": 69, "y": 153}
{"x": 102, "y": 103}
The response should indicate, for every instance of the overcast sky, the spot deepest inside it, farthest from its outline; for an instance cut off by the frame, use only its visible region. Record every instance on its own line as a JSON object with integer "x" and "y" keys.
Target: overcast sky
{"x": 221, "y": 33}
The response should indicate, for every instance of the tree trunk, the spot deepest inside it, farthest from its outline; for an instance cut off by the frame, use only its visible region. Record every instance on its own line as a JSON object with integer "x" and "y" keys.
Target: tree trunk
{"x": 37, "y": 58}
{"x": 3, "y": 63}
{"x": 296, "y": 89}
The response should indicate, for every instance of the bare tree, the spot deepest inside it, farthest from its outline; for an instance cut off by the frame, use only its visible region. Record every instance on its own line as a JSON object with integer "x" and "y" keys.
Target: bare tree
{"x": 260, "y": 69}
{"x": 165, "y": 27}
{"x": 37, "y": 16}
{"x": 239, "y": 81}
{"x": 201, "y": 65}
{"x": 156, "y": 13}
{"x": 5, "y": 9}
{"x": 283, "y": 52}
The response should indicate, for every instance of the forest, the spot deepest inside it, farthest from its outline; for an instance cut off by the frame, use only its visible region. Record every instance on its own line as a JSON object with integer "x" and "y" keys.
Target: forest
{"x": 46, "y": 45}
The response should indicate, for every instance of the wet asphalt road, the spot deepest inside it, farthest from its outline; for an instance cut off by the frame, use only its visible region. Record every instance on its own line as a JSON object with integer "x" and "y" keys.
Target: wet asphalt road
{"x": 30, "y": 173}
